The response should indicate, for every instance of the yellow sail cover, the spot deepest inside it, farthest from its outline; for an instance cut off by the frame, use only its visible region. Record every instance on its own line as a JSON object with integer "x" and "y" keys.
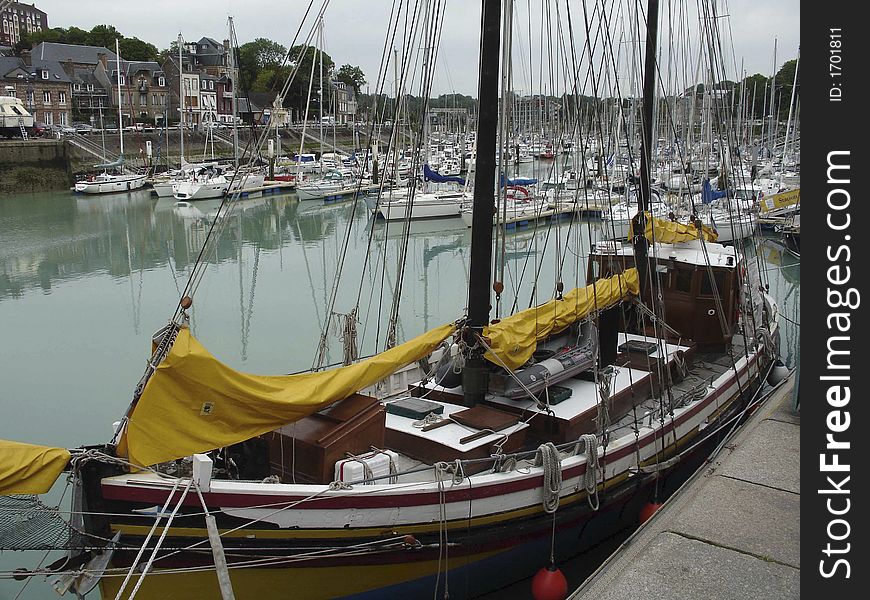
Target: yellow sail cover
{"x": 671, "y": 232}
{"x": 514, "y": 339}
{"x": 29, "y": 469}
{"x": 194, "y": 403}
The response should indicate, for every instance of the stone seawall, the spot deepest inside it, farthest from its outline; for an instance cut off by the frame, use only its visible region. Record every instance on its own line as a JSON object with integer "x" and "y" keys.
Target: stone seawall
{"x": 34, "y": 166}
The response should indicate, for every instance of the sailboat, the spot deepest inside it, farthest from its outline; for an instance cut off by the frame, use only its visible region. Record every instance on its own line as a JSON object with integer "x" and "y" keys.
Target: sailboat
{"x": 106, "y": 182}
{"x": 466, "y": 457}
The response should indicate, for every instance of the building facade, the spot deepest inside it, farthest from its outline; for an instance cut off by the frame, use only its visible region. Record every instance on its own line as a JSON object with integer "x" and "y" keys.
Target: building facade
{"x": 18, "y": 19}
{"x": 345, "y": 103}
{"x": 43, "y": 86}
{"x": 87, "y": 67}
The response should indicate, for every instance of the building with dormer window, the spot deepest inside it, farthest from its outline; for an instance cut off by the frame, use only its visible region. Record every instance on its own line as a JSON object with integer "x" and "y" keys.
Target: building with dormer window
{"x": 42, "y": 85}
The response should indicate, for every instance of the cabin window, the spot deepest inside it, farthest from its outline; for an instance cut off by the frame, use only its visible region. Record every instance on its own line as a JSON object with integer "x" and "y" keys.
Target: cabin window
{"x": 681, "y": 280}
{"x": 706, "y": 284}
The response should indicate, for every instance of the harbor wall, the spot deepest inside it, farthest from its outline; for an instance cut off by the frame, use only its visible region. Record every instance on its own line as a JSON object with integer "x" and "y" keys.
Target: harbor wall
{"x": 43, "y": 164}
{"x": 34, "y": 166}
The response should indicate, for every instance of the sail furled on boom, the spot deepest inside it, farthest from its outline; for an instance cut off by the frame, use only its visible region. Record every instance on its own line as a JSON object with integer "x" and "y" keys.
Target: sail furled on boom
{"x": 708, "y": 194}
{"x": 29, "y": 469}
{"x": 430, "y": 174}
{"x": 671, "y": 232}
{"x": 112, "y": 165}
{"x": 504, "y": 181}
{"x": 194, "y": 403}
{"x": 514, "y": 339}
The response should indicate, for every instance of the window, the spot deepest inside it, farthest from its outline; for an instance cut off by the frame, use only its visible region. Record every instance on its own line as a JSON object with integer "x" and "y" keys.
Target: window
{"x": 707, "y": 288}
{"x": 63, "y": 118}
{"x": 143, "y": 99}
{"x": 46, "y": 97}
{"x": 61, "y": 97}
{"x": 30, "y": 97}
{"x": 161, "y": 82}
{"x": 90, "y": 87}
{"x": 77, "y": 87}
{"x": 681, "y": 280}
{"x": 123, "y": 81}
{"x": 44, "y": 74}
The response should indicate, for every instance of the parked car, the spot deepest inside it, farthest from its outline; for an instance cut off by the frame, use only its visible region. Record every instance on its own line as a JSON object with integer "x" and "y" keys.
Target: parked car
{"x": 67, "y": 130}
{"x": 39, "y": 128}
{"x": 83, "y": 128}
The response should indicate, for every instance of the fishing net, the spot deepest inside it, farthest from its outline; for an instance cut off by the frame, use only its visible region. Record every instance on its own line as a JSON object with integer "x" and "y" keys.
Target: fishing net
{"x": 28, "y": 524}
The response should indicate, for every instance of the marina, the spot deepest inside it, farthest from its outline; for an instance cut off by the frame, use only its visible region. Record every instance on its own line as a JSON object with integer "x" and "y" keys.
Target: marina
{"x": 463, "y": 349}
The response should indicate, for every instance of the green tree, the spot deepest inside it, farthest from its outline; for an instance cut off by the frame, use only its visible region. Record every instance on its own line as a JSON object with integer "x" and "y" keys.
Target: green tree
{"x": 135, "y": 49}
{"x": 303, "y": 59}
{"x": 254, "y": 57}
{"x": 784, "y": 83}
{"x": 352, "y": 76}
{"x": 104, "y": 35}
{"x": 754, "y": 88}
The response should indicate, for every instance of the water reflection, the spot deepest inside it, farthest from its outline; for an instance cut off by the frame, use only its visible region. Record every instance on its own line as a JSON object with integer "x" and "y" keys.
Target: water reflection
{"x": 57, "y": 238}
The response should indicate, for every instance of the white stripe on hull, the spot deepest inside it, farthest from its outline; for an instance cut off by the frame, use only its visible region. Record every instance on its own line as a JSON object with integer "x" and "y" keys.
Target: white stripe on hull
{"x": 402, "y": 512}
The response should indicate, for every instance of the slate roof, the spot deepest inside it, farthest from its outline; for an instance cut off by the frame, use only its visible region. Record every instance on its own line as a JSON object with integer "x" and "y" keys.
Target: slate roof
{"x": 56, "y": 74}
{"x": 86, "y": 55}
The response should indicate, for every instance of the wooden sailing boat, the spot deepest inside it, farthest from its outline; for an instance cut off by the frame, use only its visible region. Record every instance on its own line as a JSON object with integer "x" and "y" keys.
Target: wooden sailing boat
{"x": 518, "y": 440}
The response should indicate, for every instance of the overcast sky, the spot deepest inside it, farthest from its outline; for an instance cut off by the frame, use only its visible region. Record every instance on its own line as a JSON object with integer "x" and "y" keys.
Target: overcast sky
{"x": 355, "y": 30}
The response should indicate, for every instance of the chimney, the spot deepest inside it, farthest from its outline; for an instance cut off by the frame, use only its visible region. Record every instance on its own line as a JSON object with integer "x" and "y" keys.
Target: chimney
{"x": 101, "y": 57}
{"x": 27, "y": 58}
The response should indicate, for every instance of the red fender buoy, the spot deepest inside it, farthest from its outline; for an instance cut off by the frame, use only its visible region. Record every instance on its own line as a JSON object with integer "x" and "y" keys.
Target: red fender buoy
{"x": 549, "y": 584}
{"x": 648, "y": 510}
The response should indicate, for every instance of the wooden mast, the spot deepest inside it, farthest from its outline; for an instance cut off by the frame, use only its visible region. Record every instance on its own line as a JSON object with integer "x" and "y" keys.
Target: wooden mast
{"x": 644, "y": 195}
{"x": 475, "y": 373}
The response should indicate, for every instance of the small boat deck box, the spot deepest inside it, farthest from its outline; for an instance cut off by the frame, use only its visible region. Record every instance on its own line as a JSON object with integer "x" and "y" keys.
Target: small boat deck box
{"x": 308, "y": 449}
{"x": 414, "y": 408}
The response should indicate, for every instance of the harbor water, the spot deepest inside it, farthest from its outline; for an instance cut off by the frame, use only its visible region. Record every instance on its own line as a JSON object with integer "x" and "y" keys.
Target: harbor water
{"x": 86, "y": 281}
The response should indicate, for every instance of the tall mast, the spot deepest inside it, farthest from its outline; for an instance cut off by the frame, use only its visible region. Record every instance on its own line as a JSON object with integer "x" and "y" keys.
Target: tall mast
{"x": 120, "y": 120}
{"x": 474, "y": 375}
{"x": 320, "y": 95}
{"x": 772, "y": 99}
{"x": 180, "y": 103}
{"x": 649, "y": 88}
{"x": 232, "y": 69}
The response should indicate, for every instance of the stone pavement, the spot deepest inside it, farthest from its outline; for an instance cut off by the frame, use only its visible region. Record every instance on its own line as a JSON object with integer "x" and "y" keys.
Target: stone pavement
{"x": 733, "y": 531}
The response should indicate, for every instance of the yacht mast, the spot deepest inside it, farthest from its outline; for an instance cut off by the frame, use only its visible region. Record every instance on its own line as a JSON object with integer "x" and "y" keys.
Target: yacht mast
{"x": 120, "y": 120}
{"x": 474, "y": 375}
{"x": 231, "y": 64}
{"x": 649, "y": 88}
{"x": 180, "y": 103}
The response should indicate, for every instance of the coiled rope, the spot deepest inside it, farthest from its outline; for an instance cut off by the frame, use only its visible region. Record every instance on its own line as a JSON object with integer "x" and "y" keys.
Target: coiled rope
{"x": 548, "y": 456}
{"x": 587, "y": 444}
